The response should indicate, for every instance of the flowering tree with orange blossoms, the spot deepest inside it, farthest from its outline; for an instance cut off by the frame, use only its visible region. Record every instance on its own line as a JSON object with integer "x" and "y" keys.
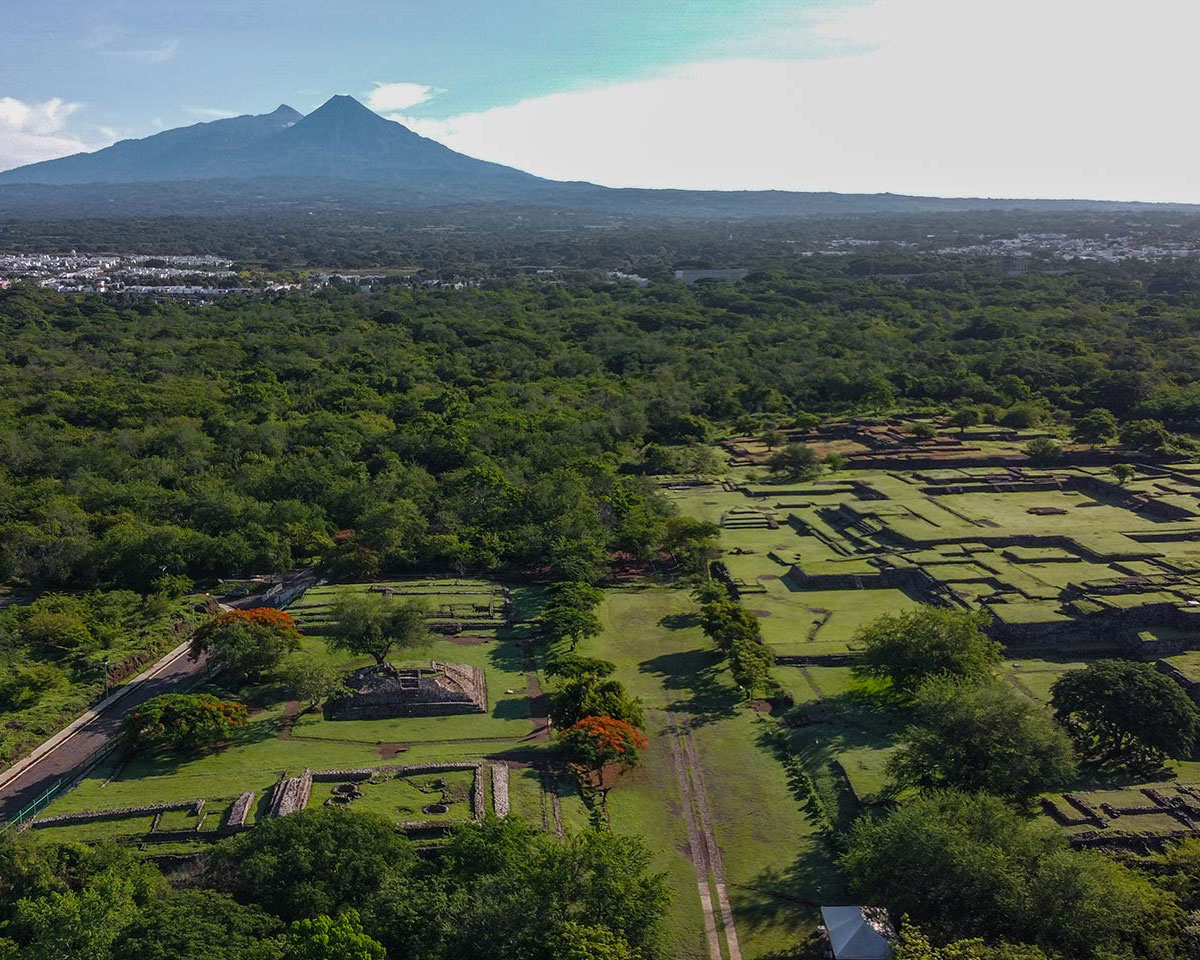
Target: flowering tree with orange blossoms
{"x": 594, "y": 742}
{"x": 267, "y": 617}
{"x": 247, "y": 643}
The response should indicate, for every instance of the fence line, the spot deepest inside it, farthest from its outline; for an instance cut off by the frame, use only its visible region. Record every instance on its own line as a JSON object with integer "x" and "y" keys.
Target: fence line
{"x": 59, "y": 786}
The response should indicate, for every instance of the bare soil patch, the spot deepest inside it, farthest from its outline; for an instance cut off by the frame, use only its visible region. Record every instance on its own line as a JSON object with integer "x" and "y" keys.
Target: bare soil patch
{"x": 388, "y": 751}
{"x": 287, "y": 723}
{"x": 469, "y": 640}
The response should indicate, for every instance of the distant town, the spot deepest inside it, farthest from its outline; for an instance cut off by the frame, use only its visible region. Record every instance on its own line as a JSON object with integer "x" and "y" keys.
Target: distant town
{"x": 206, "y": 276}
{"x": 197, "y": 277}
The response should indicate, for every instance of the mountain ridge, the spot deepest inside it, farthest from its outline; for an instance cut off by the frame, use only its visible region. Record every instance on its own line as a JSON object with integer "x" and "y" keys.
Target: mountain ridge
{"x": 344, "y": 154}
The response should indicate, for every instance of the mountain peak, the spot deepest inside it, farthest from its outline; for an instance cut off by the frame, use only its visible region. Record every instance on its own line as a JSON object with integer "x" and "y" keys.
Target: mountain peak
{"x": 343, "y": 104}
{"x": 340, "y": 140}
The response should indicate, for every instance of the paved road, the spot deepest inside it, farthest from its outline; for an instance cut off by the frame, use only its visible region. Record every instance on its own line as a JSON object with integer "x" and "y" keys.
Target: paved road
{"x": 178, "y": 674}
{"x": 66, "y": 757}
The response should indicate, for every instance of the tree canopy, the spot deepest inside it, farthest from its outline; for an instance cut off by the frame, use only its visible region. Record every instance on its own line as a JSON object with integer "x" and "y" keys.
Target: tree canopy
{"x": 182, "y": 721}
{"x": 245, "y": 644}
{"x": 1126, "y": 711}
{"x": 968, "y": 865}
{"x": 982, "y": 738}
{"x": 909, "y": 647}
{"x": 796, "y": 461}
{"x": 370, "y": 624}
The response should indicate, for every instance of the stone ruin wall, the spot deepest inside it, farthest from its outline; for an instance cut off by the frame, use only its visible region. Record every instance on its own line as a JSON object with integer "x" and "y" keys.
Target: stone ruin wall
{"x": 291, "y": 794}
{"x": 471, "y": 679}
{"x": 240, "y": 810}
{"x": 118, "y": 813}
{"x": 500, "y": 789}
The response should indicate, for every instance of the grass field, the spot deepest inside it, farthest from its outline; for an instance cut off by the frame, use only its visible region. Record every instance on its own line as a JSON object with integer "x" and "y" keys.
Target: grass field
{"x": 769, "y": 845}
{"x": 403, "y": 798}
{"x": 773, "y": 857}
{"x": 445, "y": 600}
{"x": 1030, "y": 548}
{"x": 268, "y": 748}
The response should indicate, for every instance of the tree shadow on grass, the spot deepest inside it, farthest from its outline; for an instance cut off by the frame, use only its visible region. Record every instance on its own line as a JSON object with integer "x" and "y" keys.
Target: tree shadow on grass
{"x": 680, "y": 621}
{"x": 1097, "y": 774}
{"x": 528, "y": 602}
{"x": 511, "y": 709}
{"x": 789, "y": 898}
{"x": 165, "y": 763}
{"x": 507, "y": 652}
{"x": 818, "y": 734}
{"x": 695, "y": 675}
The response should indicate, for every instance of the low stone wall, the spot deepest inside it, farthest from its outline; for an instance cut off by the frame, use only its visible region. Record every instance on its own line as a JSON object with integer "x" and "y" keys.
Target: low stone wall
{"x": 240, "y": 810}
{"x": 479, "y": 796}
{"x": 1139, "y": 843}
{"x": 428, "y": 826}
{"x": 291, "y": 794}
{"x": 343, "y": 776}
{"x": 500, "y": 789}
{"x": 818, "y": 660}
{"x": 365, "y": 773}
{"x": 117, "y": 813}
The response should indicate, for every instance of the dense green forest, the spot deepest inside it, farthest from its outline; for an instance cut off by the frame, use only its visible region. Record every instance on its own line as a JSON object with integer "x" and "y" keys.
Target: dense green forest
{"x": 510, "y": 429}
{"x": 334, "y": 885}
{"x": 486, "y": 429}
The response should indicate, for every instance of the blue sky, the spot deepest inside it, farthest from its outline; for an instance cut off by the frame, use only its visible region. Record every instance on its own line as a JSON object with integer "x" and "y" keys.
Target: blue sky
{"x": 133, "y": 62}
{"x": 948, "y": 97}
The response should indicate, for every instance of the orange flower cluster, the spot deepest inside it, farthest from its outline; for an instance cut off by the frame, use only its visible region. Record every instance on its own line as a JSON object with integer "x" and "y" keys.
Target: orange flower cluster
{"x": 608, "y": 734}
{"x": 266, "y": 617}
{"x": 259, "y": 616}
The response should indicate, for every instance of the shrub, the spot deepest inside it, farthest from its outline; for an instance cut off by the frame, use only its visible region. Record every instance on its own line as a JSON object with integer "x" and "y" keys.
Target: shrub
{"x": 182, "y": 721}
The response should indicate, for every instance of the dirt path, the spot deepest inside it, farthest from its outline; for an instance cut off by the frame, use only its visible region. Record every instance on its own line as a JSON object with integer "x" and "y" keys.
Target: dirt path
{"x": 291, "y": 712}
{"x": 716, "y": 864}
{"x": 1017, "y": 682}
{"x": 539, "y": 712}
{"x": 556, "y": 804}
{"x": 808, "y": 678}
{"x": 697, "y": 850}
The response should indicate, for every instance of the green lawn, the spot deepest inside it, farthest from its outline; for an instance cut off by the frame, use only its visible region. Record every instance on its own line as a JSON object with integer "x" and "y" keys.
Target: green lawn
{"x": 771, "y": 852}
{"x": 258, "y": 755}
{"x": 403, "y": 798}
{"x": 444, "y": 599}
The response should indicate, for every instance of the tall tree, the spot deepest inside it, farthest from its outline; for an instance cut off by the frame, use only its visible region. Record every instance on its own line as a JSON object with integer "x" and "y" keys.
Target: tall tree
{"x": 373, "y": 625}
{"x": 796, "y": 461}
{"x": 1095, "y": 427}
{"x": 245, "y": 644}
{"x": 982, "y": 738}
{"x": 929, "y": 641}
{"x": 1126, "y": 711}
{"x": 968, "y": 865}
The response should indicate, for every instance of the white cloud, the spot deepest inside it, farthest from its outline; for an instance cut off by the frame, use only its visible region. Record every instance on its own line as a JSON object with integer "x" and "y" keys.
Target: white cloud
{"x": 156, "y": 53}
{"x": 211, "y": 113}
{"x": 389, "y": 97}
{"x": 1058, "y": 98}
{"x": 30, "y": 132}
